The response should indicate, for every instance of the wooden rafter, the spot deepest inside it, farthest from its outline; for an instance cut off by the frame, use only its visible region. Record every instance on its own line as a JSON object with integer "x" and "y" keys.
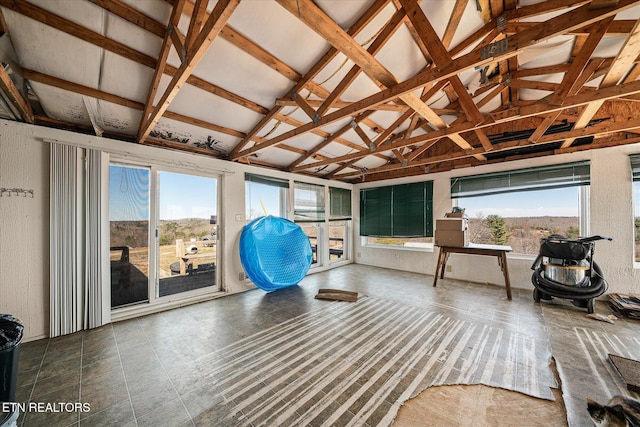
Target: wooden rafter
{"x": 440, "y": 58}
{"x": 119, "y": 100}
{"x": 176, "y": 13}
{"x": 571, "y": 82}
{"x": 555, "y": 26}
{"x": 505, "y": 116}
{"x": 408, "y": 140}
{"x": 219, "y": 16}
{"x": 506, "y": 146}
{"x": 314, "y": 70}
{"x": 318, "y": 21}
{"x": 389, "y": 29}
{"x": 620, "y": 66}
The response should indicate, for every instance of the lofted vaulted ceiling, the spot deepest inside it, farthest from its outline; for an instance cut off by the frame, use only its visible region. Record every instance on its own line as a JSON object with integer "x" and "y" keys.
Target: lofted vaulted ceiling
{"x": 354, "y": 90}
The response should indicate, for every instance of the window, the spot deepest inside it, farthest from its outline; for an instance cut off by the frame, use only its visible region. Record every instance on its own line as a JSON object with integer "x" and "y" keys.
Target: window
{"x": 635, "y": 169}
{"x": 265, "y": 196}
{"x": 398, "y": 215}
{"x": 179, "y": 213}
{"x": 517, "y": 208}
{"x": 339, "y": 223}
{"x": 129, "y": 205}
{"x": 308, "y": 213}
{"x": 308, "y": 205}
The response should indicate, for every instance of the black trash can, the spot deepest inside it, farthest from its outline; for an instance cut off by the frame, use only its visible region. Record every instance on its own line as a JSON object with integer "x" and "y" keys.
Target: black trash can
{"x": 10, "y": 337}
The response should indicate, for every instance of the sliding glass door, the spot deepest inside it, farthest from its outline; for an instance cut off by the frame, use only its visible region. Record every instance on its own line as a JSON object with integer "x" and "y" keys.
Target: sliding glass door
{"x": 179, "y": 213}
{"x": 129, "y": 189}
{"x": 187, "y": 233}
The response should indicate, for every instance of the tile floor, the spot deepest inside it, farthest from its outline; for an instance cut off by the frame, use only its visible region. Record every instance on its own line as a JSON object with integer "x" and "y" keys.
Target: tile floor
{"x": 135, "y": 372}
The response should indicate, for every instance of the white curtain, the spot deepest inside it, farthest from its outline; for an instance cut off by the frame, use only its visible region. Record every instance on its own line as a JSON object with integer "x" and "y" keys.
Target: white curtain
{"x": 79, "y": 265}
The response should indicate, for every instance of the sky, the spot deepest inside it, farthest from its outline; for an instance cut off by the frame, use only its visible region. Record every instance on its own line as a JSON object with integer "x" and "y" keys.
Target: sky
{"x": 261, "y": 198}
{"x": 558, "y": 202}
{"x": 181, "y": 196}
{"x": 187, "y": 196}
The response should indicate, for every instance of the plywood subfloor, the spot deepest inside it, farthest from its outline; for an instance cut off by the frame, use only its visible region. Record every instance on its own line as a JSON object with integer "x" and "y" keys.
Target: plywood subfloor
{"x": 479, "y": 405}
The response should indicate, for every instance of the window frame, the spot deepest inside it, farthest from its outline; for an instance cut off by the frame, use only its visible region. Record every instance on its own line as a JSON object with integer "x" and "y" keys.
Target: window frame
{"x": 404, "y": 193}
{"x": 634, "y": 161}
{"x": 552, "y": 177}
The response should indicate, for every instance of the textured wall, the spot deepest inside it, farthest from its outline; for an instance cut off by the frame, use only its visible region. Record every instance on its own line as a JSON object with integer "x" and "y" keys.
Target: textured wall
{"x": 24, "y": 230}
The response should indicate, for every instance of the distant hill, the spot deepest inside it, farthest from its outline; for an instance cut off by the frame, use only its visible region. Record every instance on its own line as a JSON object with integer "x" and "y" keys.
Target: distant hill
{"x": 525, "y": 232}
{"x": 136, "y": 233}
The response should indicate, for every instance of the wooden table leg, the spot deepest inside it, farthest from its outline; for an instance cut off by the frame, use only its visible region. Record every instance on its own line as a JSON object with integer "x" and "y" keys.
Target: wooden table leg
{"x": 445, "y": 259}
{"x": 438, "y": 267}
{"x": 502, "y": 260}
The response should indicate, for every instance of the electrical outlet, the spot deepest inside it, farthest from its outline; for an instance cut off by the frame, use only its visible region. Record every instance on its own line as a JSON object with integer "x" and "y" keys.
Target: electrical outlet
{"x": 239, "y": 218}
{"x": 448, "y": 269}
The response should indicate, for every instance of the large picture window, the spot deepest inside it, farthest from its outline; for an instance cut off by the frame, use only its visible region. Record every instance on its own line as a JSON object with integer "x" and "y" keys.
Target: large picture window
{"x": 397, "y": 214}
{"x": 518, "y": 208}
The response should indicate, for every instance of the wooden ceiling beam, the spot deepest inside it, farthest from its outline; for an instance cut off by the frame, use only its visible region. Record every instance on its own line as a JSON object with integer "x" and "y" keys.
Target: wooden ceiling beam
{"x": 211, "y": 28}
{"x": 66, "y": 26}
{"x": 619, "y": 27}
{"x": 73, "y": 29}
{"x": 161, "y": 63}
{"x": 331, "y": 53}
{"x": 505, "y": 146}
{"x": 539, "y": 71}
{"x": 389, "y": 29}
{"x": 543, "y": 31}
{"x": 119, "y": 100}
{"x": 15, "y": 97}
{"x": 620, "y": 66}
{"x": 506, "y": 116}
{"x": 414, "y": 34}
{"x": 316, "y": 103}
{"x": 572, "y": 81}
{"x": 304, "y": 105}
{"x": 533, "y": 84}
{"x": 426, "y": 95}
{"x": 318, "y": 21}
{"x": 197, "y": 17}
{"x": 441, "y": 57}
{"x": 331, "y": 138}
{"x": 128, "y": 13}
{"x": 324, "y": 134}
{"x": 313, "y": 17}
{"x": 454, "y": 21}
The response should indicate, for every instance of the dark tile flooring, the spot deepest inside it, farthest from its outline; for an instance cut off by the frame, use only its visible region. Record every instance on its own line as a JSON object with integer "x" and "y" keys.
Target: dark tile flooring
{"x": 136, "y": 372}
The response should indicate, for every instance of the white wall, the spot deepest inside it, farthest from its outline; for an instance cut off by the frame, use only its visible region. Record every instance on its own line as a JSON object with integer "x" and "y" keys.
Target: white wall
{"x": 24, "y": 230}
{"x": 611, "y": 214}
{"x": 24, "y": 222}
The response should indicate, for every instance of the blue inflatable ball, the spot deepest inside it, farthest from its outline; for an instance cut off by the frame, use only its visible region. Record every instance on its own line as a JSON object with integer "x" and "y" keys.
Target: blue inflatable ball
{"x": 274, "y": 252}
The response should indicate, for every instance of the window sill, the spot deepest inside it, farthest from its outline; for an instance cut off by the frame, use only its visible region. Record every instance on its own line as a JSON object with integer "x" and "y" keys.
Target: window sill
{"x": 402, "y": 248}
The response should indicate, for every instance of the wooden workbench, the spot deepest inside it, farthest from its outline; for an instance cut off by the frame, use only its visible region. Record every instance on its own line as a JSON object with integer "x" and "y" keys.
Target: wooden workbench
{"x": 475, "y": 249}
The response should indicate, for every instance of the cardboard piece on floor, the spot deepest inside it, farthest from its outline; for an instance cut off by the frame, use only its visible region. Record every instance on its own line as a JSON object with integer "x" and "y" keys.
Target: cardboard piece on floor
{"x": 629, "y": 370}
{"x": 337, "y": 295}
{"x": 625, "y": 304}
